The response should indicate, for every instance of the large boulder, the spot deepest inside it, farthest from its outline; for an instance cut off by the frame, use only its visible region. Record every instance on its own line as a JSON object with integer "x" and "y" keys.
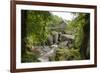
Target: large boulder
{"x": 55, "y": 37}
{"x": 63, "y": 44}
{"x": 49, "y": 41}
{"x": 66, "y": 37}
{"x": 52, "y": 39}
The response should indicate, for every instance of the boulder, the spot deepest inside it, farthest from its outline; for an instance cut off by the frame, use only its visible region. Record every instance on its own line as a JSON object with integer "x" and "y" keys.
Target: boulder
{"x": 63, "y": 44}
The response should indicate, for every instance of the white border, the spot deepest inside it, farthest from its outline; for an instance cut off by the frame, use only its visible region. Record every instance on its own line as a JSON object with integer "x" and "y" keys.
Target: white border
{"x": 20, "y": 65}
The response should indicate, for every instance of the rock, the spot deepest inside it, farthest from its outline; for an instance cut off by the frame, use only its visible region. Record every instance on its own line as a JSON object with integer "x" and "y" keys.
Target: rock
{"x": 54, "y": 46}
{"x": 63, "y": 44}
{"x": 70, "y": 45}
{"x": 46, "y": 48}
{"x": 43, "y": 59}
{"x": 65, "y": 37}
{"x": 52, "y": 39}
{"x": 49, "y": 41}
{"x": 49, "y": 52}
{"x": 55, "y": 37}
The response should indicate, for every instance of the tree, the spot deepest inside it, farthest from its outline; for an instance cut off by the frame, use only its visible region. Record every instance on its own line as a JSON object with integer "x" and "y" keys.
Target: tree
{"x": 37, "y": 26}
{"x": 81, "y": 26}
{"x": 34, "y": 31}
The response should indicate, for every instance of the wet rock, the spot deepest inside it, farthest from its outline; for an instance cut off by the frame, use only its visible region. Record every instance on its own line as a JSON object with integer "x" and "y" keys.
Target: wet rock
{"x": 49, "y": 52}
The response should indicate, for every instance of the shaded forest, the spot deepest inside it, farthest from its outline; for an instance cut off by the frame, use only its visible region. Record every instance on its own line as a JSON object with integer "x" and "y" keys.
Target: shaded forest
{"x": 47, "y": 37}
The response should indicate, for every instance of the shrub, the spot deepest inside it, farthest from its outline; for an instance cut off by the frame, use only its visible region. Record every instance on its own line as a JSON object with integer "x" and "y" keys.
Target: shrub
{"x": 66, "y": 54}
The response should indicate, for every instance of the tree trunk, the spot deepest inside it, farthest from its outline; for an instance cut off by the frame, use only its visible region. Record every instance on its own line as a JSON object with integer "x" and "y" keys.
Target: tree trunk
{"x": 23, "y": 29}
{"x": 86, "y": 37}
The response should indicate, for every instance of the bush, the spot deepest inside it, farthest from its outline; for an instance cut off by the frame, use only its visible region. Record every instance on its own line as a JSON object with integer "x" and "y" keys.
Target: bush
{"x": 66, "y": 54}
{"x": 29, "y": 58}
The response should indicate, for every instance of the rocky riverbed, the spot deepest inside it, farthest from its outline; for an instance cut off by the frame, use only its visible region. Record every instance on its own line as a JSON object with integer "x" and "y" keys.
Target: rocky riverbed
{"x": 54, "y": 42}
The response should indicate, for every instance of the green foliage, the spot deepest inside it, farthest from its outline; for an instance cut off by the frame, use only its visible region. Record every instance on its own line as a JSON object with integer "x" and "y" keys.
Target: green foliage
{"x": 55, "y": 21}
{"x": 66, "y": 54}
{"x": 30, "y": 40}
{"x": 30, "y": 55}
{"x": 29, "y": 58}
{"x": 38, "y": 30}
{"x": 76, "y": 26}
{"x": 37, "y": 26}
{"x": 81, "y": 28}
